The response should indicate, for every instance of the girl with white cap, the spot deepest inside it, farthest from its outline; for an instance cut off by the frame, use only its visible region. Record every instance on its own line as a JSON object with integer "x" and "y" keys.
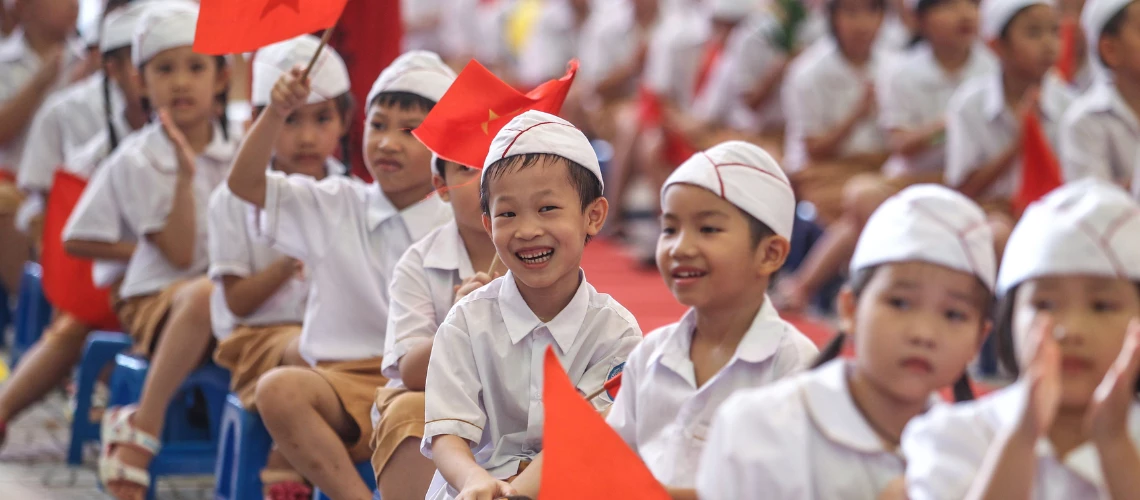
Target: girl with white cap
{"x": 258, "y": 302}
{"x": 984, "y": 119}
{"x": 917, "y": 309}
{"x": 62, "y": 137}
{"x": 348, "y": 235}
{"x": 1100, "y": 134}
{"x": 161, "y": 178}
{"x": 1067, "y": 320}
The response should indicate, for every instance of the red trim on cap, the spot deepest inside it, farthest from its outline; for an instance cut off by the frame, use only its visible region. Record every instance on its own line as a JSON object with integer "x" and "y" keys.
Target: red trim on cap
{"x": 959, "y": 234}
{"x": 1103, "y": 241}
{"x": 528, "y": 129}
{"x": 717, "y": 166}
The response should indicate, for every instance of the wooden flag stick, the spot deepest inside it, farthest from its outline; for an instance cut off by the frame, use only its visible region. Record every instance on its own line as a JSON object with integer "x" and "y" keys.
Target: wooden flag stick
{"x": 596, "y": 394}
{"x": 317, "y": 54}
{"x": 494, "y": 262}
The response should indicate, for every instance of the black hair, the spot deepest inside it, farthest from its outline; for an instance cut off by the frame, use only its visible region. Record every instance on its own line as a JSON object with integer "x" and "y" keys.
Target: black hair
{"x": 403, "y": 100}
{"x": 858, "y": 284}
{"x": 585, "y": 183}
{"x": 222, "y": 99}
{"x": 1112, "y": 28}
{"x": 756, "y": 229}
{"x": 119, "y": 54}
{"x": 344, "y": 105}
{"x": 1004, "y": 33}
{"x": 440, "y": 166}
{"x": 833, "y": 7}
{"x": 920, "y": 10}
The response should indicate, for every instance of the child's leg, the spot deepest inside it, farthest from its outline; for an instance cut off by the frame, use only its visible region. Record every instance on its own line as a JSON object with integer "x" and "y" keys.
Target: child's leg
{"x": 407, "y": 474}
{"x": 13, "y": 254}
{"x": 44, "y": 366}
{"x": 181, "y": 347}
{"x": 1001, "y": 225}
{"x": 309, "y": 426}
{"x": 402, "y": 472}
{"x": 623, "y": 164}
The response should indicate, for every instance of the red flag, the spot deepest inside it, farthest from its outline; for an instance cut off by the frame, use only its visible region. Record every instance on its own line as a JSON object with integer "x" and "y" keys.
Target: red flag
{"x": 583, "y": 456}
{"x": 462, "y": 125}
{"x": 67, "y": 280}
{"x": 236, "y": 26}
{"x": 677, "y": 147}
{"x": 1067, "y": 61}
{"x": 1040, "y": 171}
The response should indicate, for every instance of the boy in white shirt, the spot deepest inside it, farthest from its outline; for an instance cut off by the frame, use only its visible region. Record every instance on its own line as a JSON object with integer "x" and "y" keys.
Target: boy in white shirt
{"x": 348, "y": 235}
{"x": 1100, "y": 134}
{"x": 541, "y": 195}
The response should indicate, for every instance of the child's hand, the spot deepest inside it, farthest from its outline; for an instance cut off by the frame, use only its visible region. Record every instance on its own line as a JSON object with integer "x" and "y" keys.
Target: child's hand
{"x": 895, "y": 490}
{"x": 1107, "y": 418}
{"x": 1029, "y": 102}
{"x": 868, "y": 105}
{"x": 485, "y": 488}
{"x": 181, "y": 146}
{"x": 473, "y": 283}
{"x": 1043, "y": 381}
{"x": 290, "y": 93}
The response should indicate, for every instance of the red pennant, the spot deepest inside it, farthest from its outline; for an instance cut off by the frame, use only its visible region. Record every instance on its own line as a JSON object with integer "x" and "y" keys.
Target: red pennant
{"x": 67, "y": 280}
{"x": 582, "y": 456}
{"x": 677, "y": 147}
{"x": 461, "y": 127}
{"x": 236, "y": 26}
{"x": 1040, "y": 171}
{"x": 713, "y": 51}
{"x": 1067, "y": 61}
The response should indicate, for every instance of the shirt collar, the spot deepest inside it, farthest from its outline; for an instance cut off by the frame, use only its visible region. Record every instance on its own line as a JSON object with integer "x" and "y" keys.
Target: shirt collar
{"x": 520, "y": 320}
{"x": 220, "y": 150}
{"x": 423, "y": 216}
{"x": 447, "y": 252}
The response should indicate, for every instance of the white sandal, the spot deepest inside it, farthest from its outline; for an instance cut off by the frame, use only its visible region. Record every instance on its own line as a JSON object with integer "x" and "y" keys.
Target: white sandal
{"x": 117, "y": 430}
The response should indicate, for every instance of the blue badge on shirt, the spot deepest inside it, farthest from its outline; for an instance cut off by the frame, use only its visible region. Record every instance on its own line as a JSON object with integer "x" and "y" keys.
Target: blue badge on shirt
{"x": 611, "y": 392}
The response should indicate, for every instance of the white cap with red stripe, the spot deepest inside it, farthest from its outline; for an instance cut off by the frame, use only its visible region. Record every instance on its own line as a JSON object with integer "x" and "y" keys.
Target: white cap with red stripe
{"x": 544, "y": 133}
{"x": 746, "y": 176}
{"x": 929, "y": 223}
{"x": 1088, "y": 227}
{"x": 418, "y": 72}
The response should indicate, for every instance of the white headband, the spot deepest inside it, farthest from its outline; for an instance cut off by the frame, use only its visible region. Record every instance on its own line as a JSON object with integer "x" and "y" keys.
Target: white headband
{"x": 166, "y": 25}
{"x": 418, "y": 72}
{"x": 929, "y": 223}
{"x": 328, "y": 79}
{"x": 538, "y": 132}
{"x": 746, "y": 176}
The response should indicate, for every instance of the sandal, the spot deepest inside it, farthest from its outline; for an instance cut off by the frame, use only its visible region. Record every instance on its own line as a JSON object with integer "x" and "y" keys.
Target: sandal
{"x": 117, "y": 430}
{"x": 285, "y": 485}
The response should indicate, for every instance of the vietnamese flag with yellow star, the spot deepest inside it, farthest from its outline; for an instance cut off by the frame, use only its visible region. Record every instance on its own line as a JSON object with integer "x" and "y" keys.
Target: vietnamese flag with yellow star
{"x": 238, "y": 26}
{"x": 478, "y": 104}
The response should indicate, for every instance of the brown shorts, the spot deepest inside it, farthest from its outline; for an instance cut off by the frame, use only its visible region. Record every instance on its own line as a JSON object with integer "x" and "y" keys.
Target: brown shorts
{"x": 823, "y": 184}
{"x": 355, "y": 383}
{"x": 250, "y": 351}
{"x": 10, "y": 196}
{"x": 401, "y": 417}
{"x": 143, "y": 317}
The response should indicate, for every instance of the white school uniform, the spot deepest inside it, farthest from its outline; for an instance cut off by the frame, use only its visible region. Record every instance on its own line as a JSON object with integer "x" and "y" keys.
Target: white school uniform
{"x": 802, "y": 437}
{"x": 19, "y": 64}
{"x": 914, "y": 91}
{"x": 552, "y": 43}
{"x": 820, "y": 91}
{"x": 423, "y": 291}
{"x": 674, "y": 53}
{"x": 96, "y": 216}
{"x": 980, "y": 126}
{"x": 141, "y": 174}
{"x": 610, "y": 38}
{"x": 1100, "y": 136}
{"x": 349, "y": 238}
{"x": 945, "y": 449}
{"x": 484, "y": 379}
{"x": 662, "y": 414}
{"x": 415, "y": 14}
{"x": 894, "y": 36}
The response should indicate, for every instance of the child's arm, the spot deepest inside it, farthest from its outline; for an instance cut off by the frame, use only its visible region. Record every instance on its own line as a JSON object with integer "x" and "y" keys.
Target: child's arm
{"x": 244, "y": 295}
{"x": 826, "y": 146}
{"x": 453, "y": 458}
{"x": 1108, "y": 420}
{"x": 17, "y": 112}
{"x": 910, "y": 142}
{"x": 121, "y": 250}
{"x": 961, "y": 148}
{"x": 682, "y": 493}
{"x": 413, "y": 366}
{"x": 175, "y": 238}
{"x": 764, "y": 88}
{"x": 247, "y": 177}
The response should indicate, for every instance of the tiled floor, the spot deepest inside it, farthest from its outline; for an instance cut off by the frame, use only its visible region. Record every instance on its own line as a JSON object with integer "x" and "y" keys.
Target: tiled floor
{"x": 33, "y": 462}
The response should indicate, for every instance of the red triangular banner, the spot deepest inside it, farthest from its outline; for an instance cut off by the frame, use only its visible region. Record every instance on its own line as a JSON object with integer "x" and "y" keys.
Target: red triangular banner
{"x": 1040, "y": 171}
{"x": 237, "y": 26}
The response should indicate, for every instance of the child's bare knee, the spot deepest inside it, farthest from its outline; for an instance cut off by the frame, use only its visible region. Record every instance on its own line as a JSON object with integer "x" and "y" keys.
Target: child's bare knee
{"x": 862, "y": 195}
{"x": 280, "y": 388}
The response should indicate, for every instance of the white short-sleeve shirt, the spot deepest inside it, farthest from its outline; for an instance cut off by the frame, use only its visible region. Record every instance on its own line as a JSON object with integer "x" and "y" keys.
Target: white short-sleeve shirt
{"x": 945, "y": 449}
{"x": 820, "y": 91}
{"x": 662, "y": 414}
{"x": 423, "y": 291}
{"x": 142, "y": 173}
{"x": 485, "y": 378}
{"x": 675, "y": 49}
{"x": 610, "y": 38}
{"x": 553, "y": 42}
{"x": 1100, "y": 136}
{"x": 18, "y": 64}
{"x": 349, "y": 238}
{"x": 801, "y": 437}
{"x": 64, "y": 125}
{"x": 913, "y": 91}
{"x": 980, "y": 126}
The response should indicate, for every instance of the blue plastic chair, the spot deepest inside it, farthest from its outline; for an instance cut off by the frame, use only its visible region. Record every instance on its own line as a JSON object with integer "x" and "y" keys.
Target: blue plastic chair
{"x": 242, "y": 453}
{"x": 189, "y": 436}
{"x": 365, "y": 471}
{"x": 5, "y": 315}
{"x": 100, "y": 351}
{"x": 33, "y": 313}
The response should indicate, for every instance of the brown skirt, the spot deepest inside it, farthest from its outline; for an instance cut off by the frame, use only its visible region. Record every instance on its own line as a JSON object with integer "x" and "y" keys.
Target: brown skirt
{"x": 401, "y": 417}
{"x": 355, "y": 383}
{"x": 249, "y": 352}
{"x": 143, "y": 317}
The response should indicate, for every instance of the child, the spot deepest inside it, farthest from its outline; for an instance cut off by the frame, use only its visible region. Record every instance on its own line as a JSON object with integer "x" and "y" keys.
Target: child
{"x": 259, "y": 292}
{"x": 912, "y": 94}
{"x": 432, "y": 276}
{"x": 541, "y": 197}
{"x": 985, "y": 117}
{"x": 38, "y": 59}
{"x": 1100, "y": 133}
{"x": 348, "y": 235}
{"x": 917, "y": 308}
{"x": 1068, "y": 428}
{"x": 162, "y": 177}
{"x": 832, "y": 135}
{"x": 54, "y": 355}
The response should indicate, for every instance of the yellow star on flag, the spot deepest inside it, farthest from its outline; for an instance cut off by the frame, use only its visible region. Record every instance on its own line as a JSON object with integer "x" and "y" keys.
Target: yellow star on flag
{"x": 491, "y": 116}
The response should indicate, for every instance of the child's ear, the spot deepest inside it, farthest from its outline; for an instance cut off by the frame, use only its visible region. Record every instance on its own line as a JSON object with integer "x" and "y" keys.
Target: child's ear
{"x": 487, "y": 224}
{"x": 440, "y": 187}
{"x": 771, "y": 253}
{"x": 846, "y": 306}
{"x": 596, "y": 213}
